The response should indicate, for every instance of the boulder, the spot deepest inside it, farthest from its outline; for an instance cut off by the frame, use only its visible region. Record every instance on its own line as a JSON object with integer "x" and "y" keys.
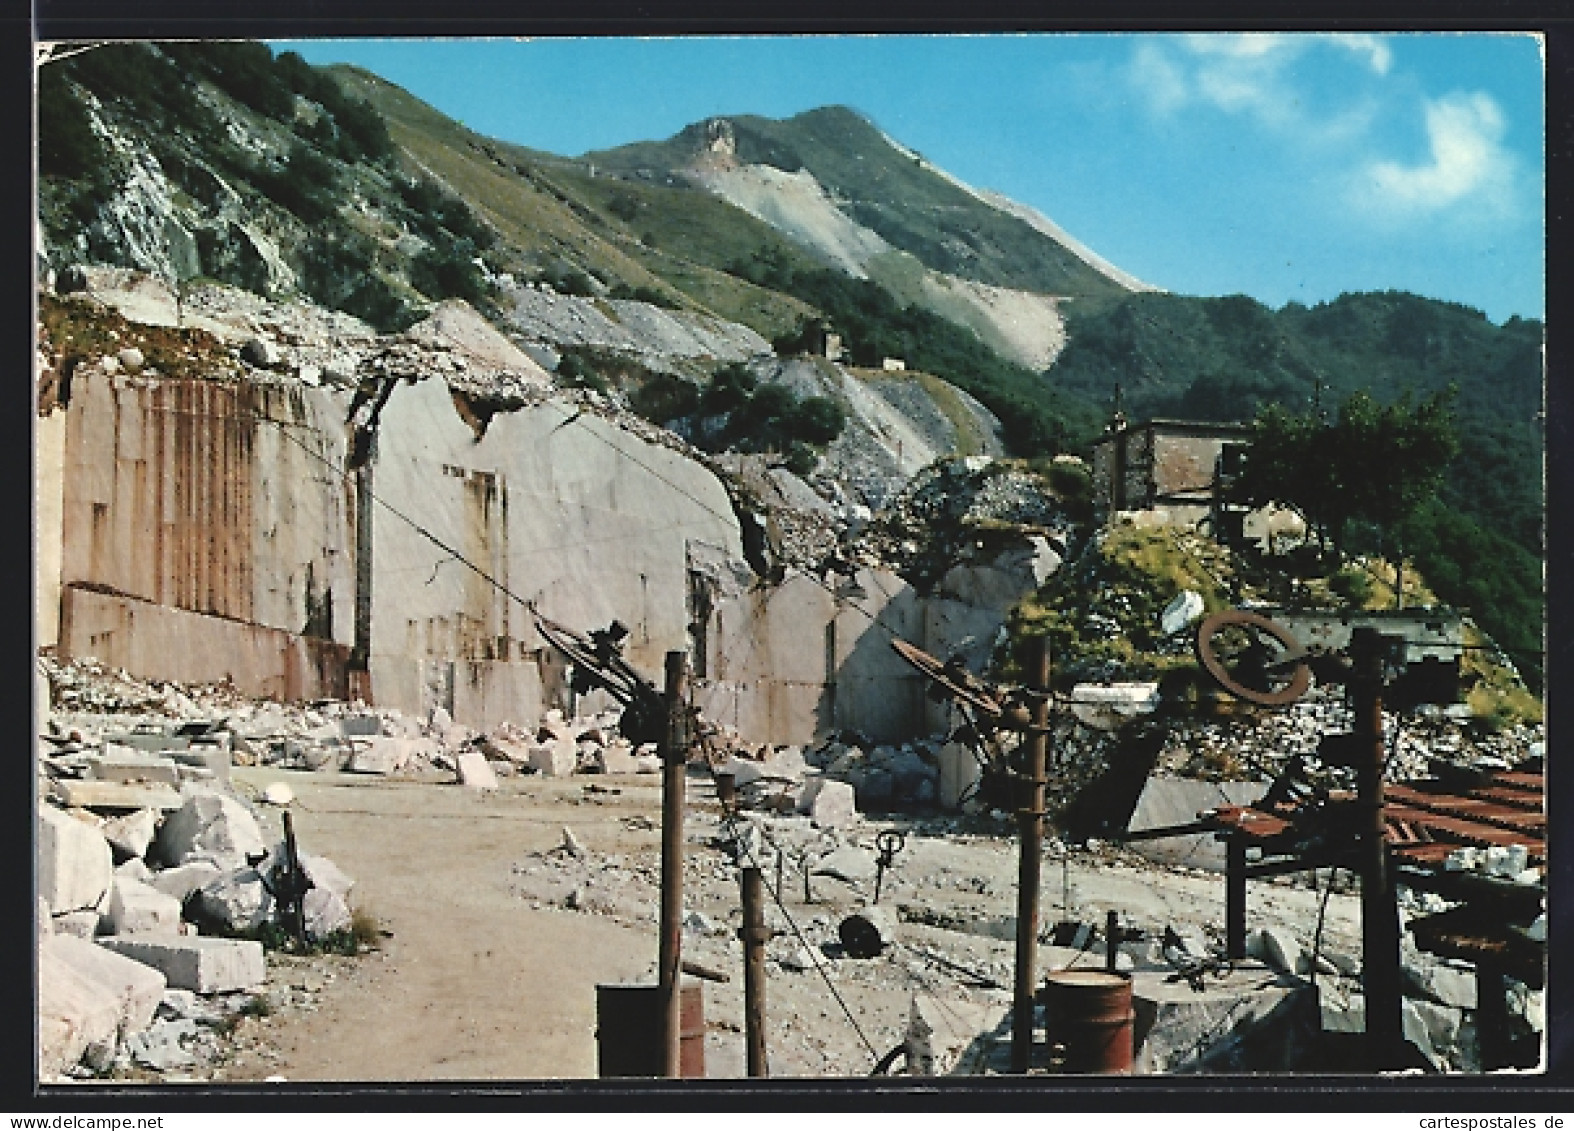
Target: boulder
{"x": 1179, "y": 613}
{"x": 875, "y": 790}
{"x": 378, "y": 755}
{"x": 137, "y": 909}
{"x": 326, "y": 912}
{"x": 1277, "y": 947}
{"x": 1440, "y": 983}
{"x": 78, "y": 924}
{"x": 832, "y": 805}
{"x": 75, "y": 864}
{"x": 130, "y": 835}
{"x": 191, "y": 962}
{"x": 76, "y": 1013}
{"x": 181, "y": 881}
{"x": 133, "y": 767}
{"x": 235, "y": 902}
{"x": 475, "y": 772}
{"x": 849, "y": 863}
{"x": 618, "y": 758}
{"x": 168, "y": 1045}
{"x": 210, "y": 826}
{"x": 133, "y": 987}
{"x": 555, "y": 758}
{"x": 360, "y": 726}
{"x": 1434, "y": 1030}
{"x": 86, "y": 793}
{"x": 134, "y": 869}
{"x": 743, "y": 771}
{"x": 786, "y": 764}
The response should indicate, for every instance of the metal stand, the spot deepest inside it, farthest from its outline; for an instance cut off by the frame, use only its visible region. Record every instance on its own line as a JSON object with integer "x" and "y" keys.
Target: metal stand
{"x": 1235, "y": 897}
{"x": 1031, "y": 817}
{"x": 674, "y": 762}
{"x": 1379, "y": 898}
{"x": 754, "y": 935}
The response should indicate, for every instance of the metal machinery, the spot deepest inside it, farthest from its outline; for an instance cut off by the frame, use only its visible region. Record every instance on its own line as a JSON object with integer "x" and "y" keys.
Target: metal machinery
{"x": 1387, "y": 834}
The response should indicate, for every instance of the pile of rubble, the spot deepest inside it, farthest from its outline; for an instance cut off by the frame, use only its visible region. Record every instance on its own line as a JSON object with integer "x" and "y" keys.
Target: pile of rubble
{"x": 156, "y": 879}
{"x": 1261, "y": 743}
{"x": 155, "y": 885}
{"x": 948, "y": 513}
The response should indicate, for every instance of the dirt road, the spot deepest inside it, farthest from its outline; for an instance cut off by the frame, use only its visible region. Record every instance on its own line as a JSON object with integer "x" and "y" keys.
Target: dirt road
{"x": 473, "y": 983}
{"x": 499, "y": 936}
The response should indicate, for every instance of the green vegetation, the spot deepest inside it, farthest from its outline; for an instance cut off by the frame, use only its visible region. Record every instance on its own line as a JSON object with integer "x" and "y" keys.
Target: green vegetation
{"x": 890, "y": 192}
{"x": 1101, "y": 611}
{"x": 1373, "y": 463}
{"x": 753, "y": 417}
{"x": 1037, "y": 418}
{"x": 1480, "y": 543}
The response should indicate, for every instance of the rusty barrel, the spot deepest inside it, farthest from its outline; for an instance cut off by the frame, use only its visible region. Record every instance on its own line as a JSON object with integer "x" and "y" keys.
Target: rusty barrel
{"x": 628, "y": 1031}
{"x": 1088, "y": 1014}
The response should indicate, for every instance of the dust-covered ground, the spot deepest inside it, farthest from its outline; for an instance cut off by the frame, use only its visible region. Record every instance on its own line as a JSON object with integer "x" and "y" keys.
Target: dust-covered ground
{"x": 499, "y": 929}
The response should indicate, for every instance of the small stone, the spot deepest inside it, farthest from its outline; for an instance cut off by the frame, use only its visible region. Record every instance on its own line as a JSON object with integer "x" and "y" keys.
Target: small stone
{"x": 131, "y": 359}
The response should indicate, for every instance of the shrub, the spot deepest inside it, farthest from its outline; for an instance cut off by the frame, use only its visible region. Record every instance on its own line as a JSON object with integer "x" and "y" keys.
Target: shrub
{"x": 569, "y": 280}
{"x": 67, "y": 145}
{"x": 436, "y": 215}
{"x": 817, "y": 420}
{"x": 306, "y": 186}
{"x": 664, "y": 398}
{"x": 245, "y": 71}
{"x": 574, "y": 372}
{"x": 449, "y": 272}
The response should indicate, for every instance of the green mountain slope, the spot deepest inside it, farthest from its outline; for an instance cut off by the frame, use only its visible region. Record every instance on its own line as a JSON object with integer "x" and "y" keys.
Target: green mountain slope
{"x": 223, "y": 160}
{"x": 892, "y": 192}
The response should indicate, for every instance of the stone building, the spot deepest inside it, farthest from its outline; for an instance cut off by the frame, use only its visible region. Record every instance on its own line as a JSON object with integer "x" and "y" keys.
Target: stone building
{"x": 1170, "y": 465}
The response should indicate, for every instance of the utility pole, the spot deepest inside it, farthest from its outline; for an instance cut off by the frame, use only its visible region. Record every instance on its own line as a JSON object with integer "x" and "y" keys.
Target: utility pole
{"x": 674, "y": 763}
{"x": 1031, "y": 818}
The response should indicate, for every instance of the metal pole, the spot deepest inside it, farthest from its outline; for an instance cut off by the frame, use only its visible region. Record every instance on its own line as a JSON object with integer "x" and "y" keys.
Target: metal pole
{"x": 754, "y": 935}
{"x": 1031, "y": 817}
{"x": 1235, "y": 896}
{"x": 674, "y": 760}
{"x": 1111, "y": 940}
{"x": 360, "y": 651}
{"x": 1492, "y": 1034}
{"x": 1379, "y": 899}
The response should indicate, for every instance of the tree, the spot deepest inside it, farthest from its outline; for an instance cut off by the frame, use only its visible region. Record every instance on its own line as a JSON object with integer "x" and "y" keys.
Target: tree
{"x": 1375, "y": 463}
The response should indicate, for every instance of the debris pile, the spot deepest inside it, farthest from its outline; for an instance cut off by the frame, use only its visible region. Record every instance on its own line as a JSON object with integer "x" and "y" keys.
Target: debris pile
{"x": 964, "y": 510}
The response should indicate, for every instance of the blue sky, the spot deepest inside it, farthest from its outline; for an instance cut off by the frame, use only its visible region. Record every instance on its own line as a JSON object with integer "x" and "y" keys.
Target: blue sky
{"x": 1286, "y": 167}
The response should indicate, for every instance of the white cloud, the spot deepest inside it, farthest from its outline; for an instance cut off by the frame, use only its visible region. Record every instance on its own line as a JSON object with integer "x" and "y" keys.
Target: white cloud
{"x": 1378, "y": 55}
{"x": 1157, "y": 77}
{"x": 1250, "y": 74}
{"x": 1467, "y": 163}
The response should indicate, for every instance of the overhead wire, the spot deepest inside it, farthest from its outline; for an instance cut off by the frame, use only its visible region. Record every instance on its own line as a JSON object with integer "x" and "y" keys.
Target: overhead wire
{"x": 729, "y": 820}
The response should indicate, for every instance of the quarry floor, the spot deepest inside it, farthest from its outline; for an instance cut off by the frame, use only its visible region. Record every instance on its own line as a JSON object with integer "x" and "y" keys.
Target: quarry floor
{"x": 476, "y": 979}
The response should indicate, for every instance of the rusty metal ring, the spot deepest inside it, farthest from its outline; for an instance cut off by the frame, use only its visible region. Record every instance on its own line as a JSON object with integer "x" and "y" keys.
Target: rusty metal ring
{"x": 1300, "y": 678}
